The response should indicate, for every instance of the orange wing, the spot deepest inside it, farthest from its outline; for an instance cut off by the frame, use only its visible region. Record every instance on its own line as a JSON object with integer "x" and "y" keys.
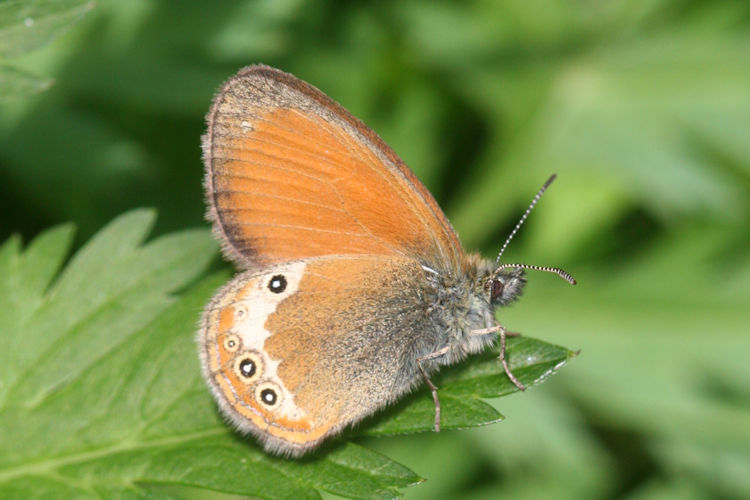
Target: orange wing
{"x": 292, "y": 174}
{"x": 337, "y": 343}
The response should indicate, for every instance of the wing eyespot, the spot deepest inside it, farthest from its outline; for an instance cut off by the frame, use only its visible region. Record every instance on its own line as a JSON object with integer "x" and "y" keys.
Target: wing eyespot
{"x": 269, "y": 395}
{"x": 277, "y": 283}
{"x": 248, "y": 367}
{"x": 240, "y": 311}
{"x": 232, "y": 343}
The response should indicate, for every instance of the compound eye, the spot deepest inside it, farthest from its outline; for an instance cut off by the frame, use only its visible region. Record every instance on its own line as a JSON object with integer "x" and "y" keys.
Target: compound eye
{"x": 496, "y": 289}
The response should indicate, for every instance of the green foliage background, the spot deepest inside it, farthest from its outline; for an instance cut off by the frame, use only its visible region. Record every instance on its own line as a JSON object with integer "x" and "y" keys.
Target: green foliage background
{"x": 641, "y": 107}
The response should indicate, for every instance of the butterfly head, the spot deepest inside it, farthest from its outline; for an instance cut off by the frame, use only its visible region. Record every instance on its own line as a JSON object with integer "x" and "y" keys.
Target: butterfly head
{"x": 505, "y": 285}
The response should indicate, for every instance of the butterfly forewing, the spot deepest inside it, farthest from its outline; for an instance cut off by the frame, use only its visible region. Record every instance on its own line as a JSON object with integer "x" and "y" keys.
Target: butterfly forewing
{"x": 291, "y": 174}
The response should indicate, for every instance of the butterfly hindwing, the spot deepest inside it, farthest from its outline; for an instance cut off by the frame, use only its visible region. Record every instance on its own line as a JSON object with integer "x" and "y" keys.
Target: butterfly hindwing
{"x": 299, "y": 350}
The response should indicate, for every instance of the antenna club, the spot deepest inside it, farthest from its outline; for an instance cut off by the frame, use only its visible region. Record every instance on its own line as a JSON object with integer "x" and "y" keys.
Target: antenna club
{"x": 556, "y": 270}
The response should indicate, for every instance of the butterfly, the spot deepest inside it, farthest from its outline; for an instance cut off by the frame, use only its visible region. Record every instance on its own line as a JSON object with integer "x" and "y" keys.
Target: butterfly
{"x": 354, "y": 286}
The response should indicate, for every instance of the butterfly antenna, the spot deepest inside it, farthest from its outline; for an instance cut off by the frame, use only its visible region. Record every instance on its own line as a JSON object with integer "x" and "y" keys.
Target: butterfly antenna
{"x": 563, "y": 274}
{"x": 524, "y": 216}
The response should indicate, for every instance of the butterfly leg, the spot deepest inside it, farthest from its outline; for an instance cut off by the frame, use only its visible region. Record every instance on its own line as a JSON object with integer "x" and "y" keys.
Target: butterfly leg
{"x": 429, "y": 383}
{"x": 503, "y": 335}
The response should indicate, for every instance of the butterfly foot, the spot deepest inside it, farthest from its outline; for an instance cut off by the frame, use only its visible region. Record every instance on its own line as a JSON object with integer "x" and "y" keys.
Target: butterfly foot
{"x": 433, "y": 387}
{"x": 503, "y": 336}
{"x": 435, "y": 399}
{"x": 512, "y": 377}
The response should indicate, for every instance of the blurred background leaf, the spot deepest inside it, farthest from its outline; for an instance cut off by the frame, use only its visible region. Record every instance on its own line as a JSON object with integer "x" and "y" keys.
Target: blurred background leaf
{"x": 28, "y": 24}
{"x": 641, "y": 107}
{"x": 15, "y": 83}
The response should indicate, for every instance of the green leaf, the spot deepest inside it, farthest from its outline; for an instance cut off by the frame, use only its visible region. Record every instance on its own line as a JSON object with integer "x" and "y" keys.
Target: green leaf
{"x": 461, "y": 388}
{"x": 28, "y": 24}
{"x": 102, "y": 395}
{"x": 15, "y": 83}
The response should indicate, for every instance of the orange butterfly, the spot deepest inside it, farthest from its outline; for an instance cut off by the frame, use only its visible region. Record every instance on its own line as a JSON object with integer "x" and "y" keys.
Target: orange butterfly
{"x": 355, "y": 286}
